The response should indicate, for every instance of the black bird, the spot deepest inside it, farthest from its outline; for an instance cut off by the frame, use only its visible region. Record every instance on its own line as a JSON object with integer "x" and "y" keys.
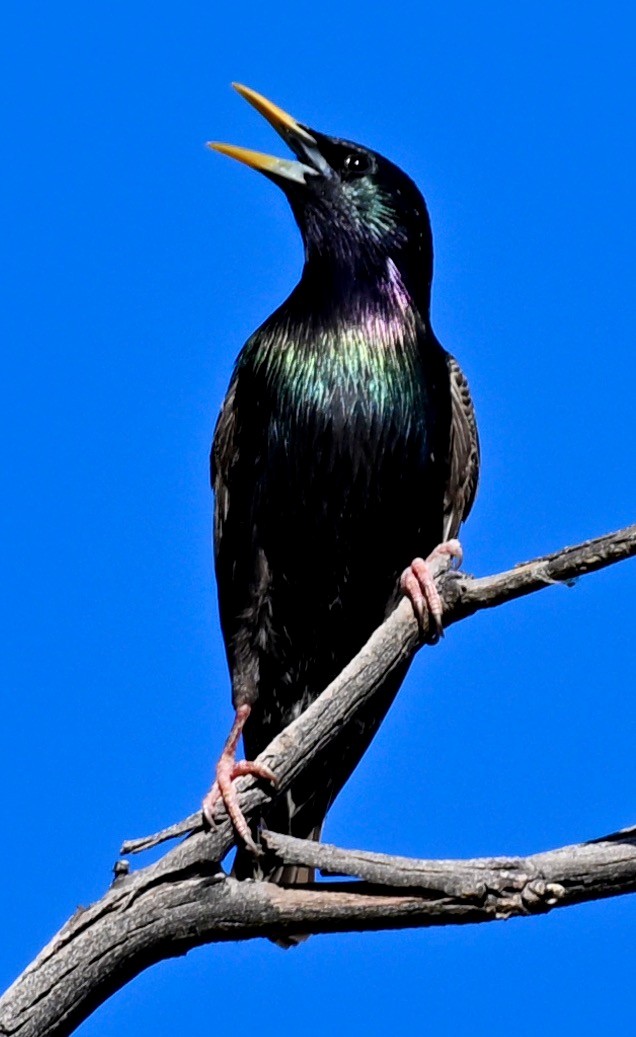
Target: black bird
{"x": 346, "y": 452}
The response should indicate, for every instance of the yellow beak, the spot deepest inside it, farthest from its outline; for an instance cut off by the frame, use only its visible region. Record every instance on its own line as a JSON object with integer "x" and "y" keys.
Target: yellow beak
{"x": 296, "y": 136}
{"x": 282, "y": 122}
{"x": 284, "y": 167}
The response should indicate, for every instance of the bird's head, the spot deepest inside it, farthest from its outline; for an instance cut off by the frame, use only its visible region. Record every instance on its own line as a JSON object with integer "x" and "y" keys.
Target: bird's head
{"x": 360, "y": 216}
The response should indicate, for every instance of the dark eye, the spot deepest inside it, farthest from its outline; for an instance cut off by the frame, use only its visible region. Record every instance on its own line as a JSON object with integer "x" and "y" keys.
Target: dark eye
{"x": 355, "y": 164}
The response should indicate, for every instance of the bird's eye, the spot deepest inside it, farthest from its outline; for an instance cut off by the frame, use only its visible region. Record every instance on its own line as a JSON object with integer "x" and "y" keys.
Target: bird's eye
{"x": 355, "y": 164}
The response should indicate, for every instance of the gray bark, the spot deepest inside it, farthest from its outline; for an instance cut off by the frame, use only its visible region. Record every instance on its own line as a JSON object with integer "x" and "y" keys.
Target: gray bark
{"x": 185, "y": 900}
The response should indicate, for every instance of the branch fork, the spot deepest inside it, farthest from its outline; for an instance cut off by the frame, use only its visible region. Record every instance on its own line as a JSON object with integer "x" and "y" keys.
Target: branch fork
{"x": 185, "y": 900}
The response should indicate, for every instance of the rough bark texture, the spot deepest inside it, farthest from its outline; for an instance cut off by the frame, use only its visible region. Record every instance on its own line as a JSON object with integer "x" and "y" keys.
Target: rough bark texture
{"x": 185, "y": 900}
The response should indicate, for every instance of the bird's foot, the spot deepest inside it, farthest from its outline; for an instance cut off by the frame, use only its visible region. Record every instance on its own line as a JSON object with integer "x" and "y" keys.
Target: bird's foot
{"x": 418, "y": 582}
{"x": 227, "y": 769}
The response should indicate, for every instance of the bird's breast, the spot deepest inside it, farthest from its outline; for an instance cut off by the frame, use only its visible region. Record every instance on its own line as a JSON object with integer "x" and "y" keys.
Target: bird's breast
{"x": 341, "y": 388}
{"x": 338, "y": 440}
{"x": 345, "y": 421}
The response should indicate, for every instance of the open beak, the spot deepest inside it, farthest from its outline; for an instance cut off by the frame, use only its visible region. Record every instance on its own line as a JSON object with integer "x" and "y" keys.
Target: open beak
{"x": 297, "y": 137}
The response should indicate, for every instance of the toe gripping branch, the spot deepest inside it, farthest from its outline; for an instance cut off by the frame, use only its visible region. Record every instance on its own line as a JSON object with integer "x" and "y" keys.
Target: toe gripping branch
{"x": 227, "y": 770}
{"x": 418, "y": 582}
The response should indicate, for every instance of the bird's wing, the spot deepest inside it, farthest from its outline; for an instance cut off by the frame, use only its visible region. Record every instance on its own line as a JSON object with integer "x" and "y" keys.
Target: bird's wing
{"x": 242, "y": 572}
{"x": 233, "y": 529}
{"x": 464, "y": 452}
{"x": 222, "y": 459}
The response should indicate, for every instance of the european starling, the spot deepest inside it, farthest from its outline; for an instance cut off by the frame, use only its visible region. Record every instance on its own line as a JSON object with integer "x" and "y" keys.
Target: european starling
{"x": 345, "y": 451}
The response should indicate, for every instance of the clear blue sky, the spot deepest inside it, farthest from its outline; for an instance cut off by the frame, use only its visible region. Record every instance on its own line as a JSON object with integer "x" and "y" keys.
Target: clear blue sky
{"x": 135, "y": 265}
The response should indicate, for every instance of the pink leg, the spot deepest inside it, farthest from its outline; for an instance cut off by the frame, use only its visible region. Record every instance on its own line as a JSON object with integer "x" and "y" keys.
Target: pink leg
{"x": 227, "y": 769}
{"x": 418, "y": 581}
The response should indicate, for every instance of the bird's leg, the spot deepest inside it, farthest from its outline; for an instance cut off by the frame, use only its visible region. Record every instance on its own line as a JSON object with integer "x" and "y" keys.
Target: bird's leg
{"x": 418, "y": 581}
{"x": 227, "y": 769}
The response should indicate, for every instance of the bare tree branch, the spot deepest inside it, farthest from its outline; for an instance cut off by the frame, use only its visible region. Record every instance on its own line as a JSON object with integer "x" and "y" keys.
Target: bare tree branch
{"x": 145, "y": 919}
{"x": 587, "y": 871}
{"x": 185, "y": 900}
{"x": 395, "y": 642}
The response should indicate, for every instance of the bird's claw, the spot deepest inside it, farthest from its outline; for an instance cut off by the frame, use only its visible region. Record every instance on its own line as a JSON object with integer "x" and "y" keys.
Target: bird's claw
{"x": 227, "y": 770}
{"x": 418, "y": 582}
{"x": 223, "y": 790}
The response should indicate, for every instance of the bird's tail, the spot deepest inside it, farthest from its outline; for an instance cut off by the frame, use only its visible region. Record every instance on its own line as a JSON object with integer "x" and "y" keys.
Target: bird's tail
{"x": 246, "y": 865}
{"x": 296, "y": 874}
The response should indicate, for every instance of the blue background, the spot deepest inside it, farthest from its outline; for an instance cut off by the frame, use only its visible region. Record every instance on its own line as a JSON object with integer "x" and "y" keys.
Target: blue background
{"x": 135, "y": 265}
